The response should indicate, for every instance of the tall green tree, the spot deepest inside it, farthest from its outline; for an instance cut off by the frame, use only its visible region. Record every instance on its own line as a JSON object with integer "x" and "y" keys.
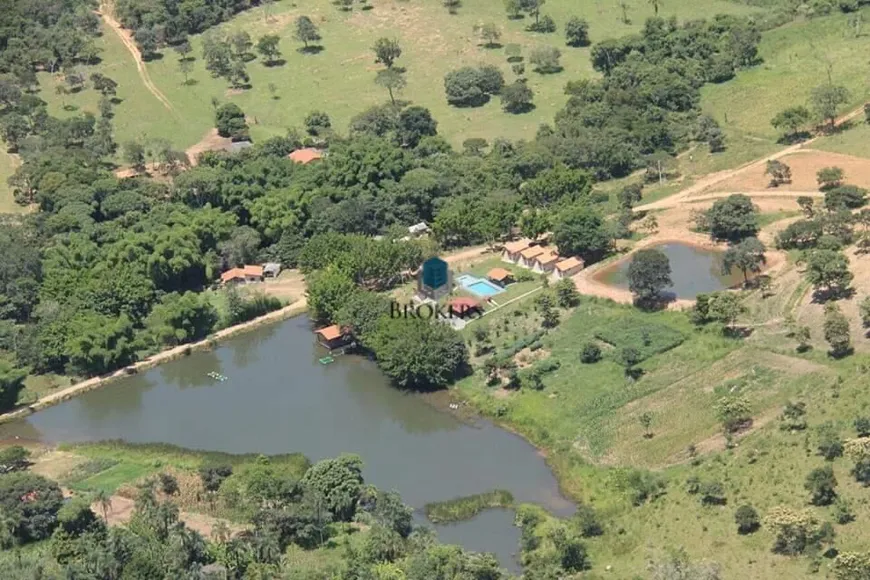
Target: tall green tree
{"x": 648, "y": 274}
{"x": 733, "y": 218}
{"x": 826, "y": 100}
{"x": 387, "y": 50}
{"x": 305, "y": 31}
{"x": 419, "y": 354}
{"x": 268, "y": 46}
{"x": 580, "y": 231}
{"x": 747, "y": 256}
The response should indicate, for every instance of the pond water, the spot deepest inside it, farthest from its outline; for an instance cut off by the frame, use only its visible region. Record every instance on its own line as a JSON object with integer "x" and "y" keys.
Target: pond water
{"x": 279, "y": 399}
{"x": 693, "y": 271}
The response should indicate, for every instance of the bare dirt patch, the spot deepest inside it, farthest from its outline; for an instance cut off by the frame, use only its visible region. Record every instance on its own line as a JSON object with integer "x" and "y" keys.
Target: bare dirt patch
{"x": 804, "y": 163}
{"x": 211, "y": 141}
{"x": 54, "y": 464}
{"x": 288, "y": 287}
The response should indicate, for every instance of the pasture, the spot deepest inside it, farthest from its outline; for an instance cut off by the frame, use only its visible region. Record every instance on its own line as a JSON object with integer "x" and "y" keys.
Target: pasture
{"x": 340, "y": 78}
{"x": 797, "y": 58}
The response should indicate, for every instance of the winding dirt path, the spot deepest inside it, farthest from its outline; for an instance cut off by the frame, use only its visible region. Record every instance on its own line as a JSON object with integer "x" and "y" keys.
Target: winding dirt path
{"x": 105, "y": 12}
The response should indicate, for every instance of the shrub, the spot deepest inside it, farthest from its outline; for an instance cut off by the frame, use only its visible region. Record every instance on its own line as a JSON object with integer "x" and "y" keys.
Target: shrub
{"x": 213, "y": 476}
{"x": 712, "y": 493}
{"x": 168, "y": 484}
{"x": 793, "y": 416}
{"x": 546, "y": 59}
{"x": 471, "y": 87}
{"x": 747, "y": 519}
{"x": 862, "y": 426}
{"x": 830, "y": 446}
{"x": 733, "y": 412}
{"x": 590, "y": 354}
{"x": 861, "y": 471}
{"x": 845, "y": 197}
{"x": 843, "y": 511}
{"x": 586, "y": 520}
{"x": 821, "y": 483}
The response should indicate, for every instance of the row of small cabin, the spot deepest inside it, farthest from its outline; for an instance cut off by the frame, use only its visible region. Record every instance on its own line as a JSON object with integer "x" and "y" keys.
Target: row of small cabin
{"x": 540, "y": 259}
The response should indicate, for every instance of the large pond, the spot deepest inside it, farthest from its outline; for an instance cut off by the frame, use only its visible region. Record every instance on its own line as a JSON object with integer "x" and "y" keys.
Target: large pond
{"x": 694, "y": 271}
{"x": 279, "y": 399}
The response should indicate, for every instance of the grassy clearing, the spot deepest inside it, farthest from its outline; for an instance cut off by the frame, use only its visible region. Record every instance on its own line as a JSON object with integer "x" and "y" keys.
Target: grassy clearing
{"x": 587, "y": 418}
{"x": 765, "y": 219}
{"x": 340, "y": 79}
{"x": 8, "y": 164}
{"x": 796, "y": 59}
{"x": 465, "y": 508}
{"x": 139, "y": 115}
{"x": 36, "y": 386}
{"x": 111, "y": 464}
{"x": 851, "y": 141}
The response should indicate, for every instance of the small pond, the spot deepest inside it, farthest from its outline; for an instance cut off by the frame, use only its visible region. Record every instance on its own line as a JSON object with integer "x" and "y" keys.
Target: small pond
{"x": 277, "y": 398}
{"x": 694, "y": 271}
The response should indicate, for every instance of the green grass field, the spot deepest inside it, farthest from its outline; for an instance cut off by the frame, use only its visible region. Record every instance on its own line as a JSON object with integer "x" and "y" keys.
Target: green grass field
{"x": 854, "y": 140}
{"x": 796, "y": 59}
{"x": 8, "y": 164}
{"x": 340, "y": 79}
{"x": 113, "y": 463}
{"x": 587, "y": 419}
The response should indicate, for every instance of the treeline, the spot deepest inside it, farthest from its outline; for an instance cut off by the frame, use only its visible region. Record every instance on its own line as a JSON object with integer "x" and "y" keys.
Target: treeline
{"x": 282, "y": 508}
{"x": 40, "y": 34}
{"x": 648, "y": 99}
{"x": 156, "y": 24}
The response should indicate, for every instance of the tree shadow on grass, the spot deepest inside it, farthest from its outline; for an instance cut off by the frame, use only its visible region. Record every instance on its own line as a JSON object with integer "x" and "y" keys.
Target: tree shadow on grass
{"x": 274, "y": 63}
{"x": 190, "y": 82}
{"x": 492, "y": 45}
{"x": 472, "y": 103}
{"x": 550, "y": 70}
{"x": 151, "y": 57}
{"x": 821, "y": 296}
{"x": 655, "y": 303}
{"x": 313, "y": 49}
{"x": 795, "y": 138}
{"x": 522, "y": 109}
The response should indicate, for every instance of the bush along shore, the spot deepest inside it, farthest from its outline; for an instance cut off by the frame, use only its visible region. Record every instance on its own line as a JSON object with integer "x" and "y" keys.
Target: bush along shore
{"x": 465, "y": 508}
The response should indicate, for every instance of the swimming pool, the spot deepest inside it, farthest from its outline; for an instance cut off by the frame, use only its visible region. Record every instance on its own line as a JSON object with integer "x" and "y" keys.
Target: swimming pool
{"x": 478, "y": 286}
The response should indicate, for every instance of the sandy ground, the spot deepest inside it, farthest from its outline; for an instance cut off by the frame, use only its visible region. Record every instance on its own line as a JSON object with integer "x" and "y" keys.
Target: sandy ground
{"x": 710, "y": 182}
{"x": 804, "y": 165}
{"x": 54, "y": 464}
{"x": 120, "y": 510}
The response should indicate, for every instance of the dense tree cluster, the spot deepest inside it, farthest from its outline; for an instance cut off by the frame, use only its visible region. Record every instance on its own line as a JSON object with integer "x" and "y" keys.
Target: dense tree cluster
{"x": 647, "y": 101}
{"x": 37, "y": 35}
{"x": 280, "y": 507}
{"x": 163, "y": 22}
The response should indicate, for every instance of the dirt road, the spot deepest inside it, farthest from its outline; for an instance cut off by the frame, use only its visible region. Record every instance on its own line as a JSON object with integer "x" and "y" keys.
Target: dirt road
{"x": 713, "y": 179}
{"x": 105, "y": 12}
